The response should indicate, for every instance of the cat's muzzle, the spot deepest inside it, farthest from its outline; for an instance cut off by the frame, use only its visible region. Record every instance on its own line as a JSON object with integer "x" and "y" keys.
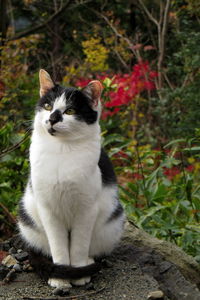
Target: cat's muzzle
{"x": 51, "y": 131}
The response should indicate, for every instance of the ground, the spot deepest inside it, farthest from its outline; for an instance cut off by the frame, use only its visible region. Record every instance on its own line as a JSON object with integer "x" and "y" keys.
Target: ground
{"x": 121, "y": 279}
{"x": 132, "y": 272}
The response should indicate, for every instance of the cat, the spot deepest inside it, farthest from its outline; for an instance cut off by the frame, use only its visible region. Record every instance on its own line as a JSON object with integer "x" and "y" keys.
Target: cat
{"x": 70, "y": 210}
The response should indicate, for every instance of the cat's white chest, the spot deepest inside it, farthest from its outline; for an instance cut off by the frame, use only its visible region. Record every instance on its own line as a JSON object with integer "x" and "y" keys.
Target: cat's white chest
{"x": 73, "y": 171}
{"x": 53, "y": 168}
{"x": 66, "y": 181}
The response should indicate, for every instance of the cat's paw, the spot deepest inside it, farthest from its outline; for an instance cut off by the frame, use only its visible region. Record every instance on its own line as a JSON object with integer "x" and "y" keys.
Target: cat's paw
{"x": 57, "y": 283}
{"x": 84, "y": 280}
{"x": 81, "y": 281}
{"x": 90, "y": 260}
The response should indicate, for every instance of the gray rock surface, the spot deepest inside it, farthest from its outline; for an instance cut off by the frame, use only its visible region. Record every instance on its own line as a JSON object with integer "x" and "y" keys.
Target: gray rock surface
{"x": 139, "y": 266}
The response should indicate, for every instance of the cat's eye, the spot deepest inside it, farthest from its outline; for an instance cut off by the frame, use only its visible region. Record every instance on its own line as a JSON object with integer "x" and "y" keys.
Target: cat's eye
{"x": 70, "y": 111}
{"x": 47, "y": 106}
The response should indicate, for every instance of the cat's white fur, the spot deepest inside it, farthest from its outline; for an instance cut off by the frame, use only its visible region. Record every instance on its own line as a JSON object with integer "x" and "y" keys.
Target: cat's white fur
{"x": 68, "y": 194}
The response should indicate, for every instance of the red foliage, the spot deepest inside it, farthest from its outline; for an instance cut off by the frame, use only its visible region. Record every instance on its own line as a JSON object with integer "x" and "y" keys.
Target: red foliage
{"x": 82, "y": 82}
{"x": 128, "y": 86}
{"x": 171, "y": 172}
{"x": 131, "y": 85}
{"x": 137, "y": 176}
{"x": 190, "y": 168}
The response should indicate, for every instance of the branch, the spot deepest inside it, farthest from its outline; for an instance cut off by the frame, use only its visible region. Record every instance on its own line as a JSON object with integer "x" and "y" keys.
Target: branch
{"x": 14, "y": 147}
{"x": 8, "y": 214}
{"x": 116, "y": 32}
{"x": 168, "y": 81}
{"x": 161, "y": 38}
{"x": 148, "y": 13}
{"x": 121, "y": 60}
{"x": 165, "y": 21}
{"x": 40, "y": 26}
{"x": 161, "y": 13}
{"x": 46, "y": 23}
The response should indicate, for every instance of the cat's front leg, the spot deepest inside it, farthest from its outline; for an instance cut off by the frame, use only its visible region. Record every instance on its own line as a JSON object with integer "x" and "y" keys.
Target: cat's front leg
{"x": 80, "y": 239}
{"x": 58, "y": 240}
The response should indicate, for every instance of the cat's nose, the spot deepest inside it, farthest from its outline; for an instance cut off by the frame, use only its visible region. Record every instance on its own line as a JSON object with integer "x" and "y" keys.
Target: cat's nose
{"x": 55, "y": 117}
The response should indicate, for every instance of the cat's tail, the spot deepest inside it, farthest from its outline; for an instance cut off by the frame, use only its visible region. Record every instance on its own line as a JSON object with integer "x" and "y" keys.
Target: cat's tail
{"x": 47, "y": 269}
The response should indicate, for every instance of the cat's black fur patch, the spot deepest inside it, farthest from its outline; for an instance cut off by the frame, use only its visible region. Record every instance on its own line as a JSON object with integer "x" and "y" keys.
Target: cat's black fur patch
{"x": 82, "y": 105}
{"x": 75, "y": 99}
{"x": 44, "y": 266}
{"x": 118, "y": 211}
{"x": 24, "y": 216}
{"x": 50, "y": 96}
{"x": 107, "y": 172}
{"x": 55, "y": 117}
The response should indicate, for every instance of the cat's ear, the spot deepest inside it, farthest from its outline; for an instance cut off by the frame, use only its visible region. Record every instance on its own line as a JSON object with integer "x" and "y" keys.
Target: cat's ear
{"x": 93, "y": 91}
{"x": 46, "y": 83}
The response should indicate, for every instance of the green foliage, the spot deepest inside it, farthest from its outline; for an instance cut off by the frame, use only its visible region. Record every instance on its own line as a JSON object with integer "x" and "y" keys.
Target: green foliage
{"x": 160, "y": 191}
{"x": 159, "y": 188}
{"x": 17, "y": 108}
{"x": 14, "y": 166}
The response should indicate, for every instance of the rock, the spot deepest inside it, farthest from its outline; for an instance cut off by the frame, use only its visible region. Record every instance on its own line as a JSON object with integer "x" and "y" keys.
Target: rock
{"x": 12, "y": 250}
{"x": 89, "y": 286}
{"x": 3, "y": 271}
{"x": 61, "y": 291}
{"x": 17, "y": 268}
{"x": 106, "y": 263}
{"x": 172, "y": 253}
{"x": 155, "y": 295}
{"x": 10, "y": 276}
{"x": 5, "y": 246}
{"x": 9, "y": 261}
{"x": 21, "y": 256}
{"x": 27, "y": 268}
{"x": 164, "y": 266}
{"x": 141, "y": 265}
{"x": 177, "y": 273}
{"x": 17, "y": 242}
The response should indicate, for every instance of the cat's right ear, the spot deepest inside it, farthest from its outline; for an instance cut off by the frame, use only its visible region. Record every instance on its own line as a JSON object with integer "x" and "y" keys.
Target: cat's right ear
{"x": 93, "y": 90}
{"x": 46, "y": 83}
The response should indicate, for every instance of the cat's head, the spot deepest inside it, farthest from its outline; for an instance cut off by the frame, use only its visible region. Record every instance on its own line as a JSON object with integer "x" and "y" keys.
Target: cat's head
{"x": 67, "y": 111}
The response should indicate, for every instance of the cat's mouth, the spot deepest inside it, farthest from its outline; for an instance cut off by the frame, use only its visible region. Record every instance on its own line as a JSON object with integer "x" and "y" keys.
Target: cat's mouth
{"x": 51, "y": 131}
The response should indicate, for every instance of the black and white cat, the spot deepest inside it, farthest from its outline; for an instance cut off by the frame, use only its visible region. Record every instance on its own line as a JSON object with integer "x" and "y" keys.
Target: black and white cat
{"x": 70, "y": 209}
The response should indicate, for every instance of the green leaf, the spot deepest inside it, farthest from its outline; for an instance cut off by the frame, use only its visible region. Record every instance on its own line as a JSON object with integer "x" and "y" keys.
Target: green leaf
{"x": 177, "y": 141}
{"x": 150, "y": 213}
{"x": 112, "y": 138}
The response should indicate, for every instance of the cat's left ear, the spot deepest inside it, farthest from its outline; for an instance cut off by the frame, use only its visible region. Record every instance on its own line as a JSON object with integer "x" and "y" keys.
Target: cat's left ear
{"x": 93, "y": 91}
{"x": 46, "y": 83}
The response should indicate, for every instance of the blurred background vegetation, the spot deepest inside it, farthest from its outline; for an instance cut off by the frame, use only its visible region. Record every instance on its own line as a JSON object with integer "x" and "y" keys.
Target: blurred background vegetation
{"x": 146, "y": 54}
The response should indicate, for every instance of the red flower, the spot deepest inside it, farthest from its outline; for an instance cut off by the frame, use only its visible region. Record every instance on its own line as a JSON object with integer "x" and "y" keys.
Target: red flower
{"x": 190, "y": 168}
{"x": 171, "y": 172}
{"x": 137, "y": 176}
